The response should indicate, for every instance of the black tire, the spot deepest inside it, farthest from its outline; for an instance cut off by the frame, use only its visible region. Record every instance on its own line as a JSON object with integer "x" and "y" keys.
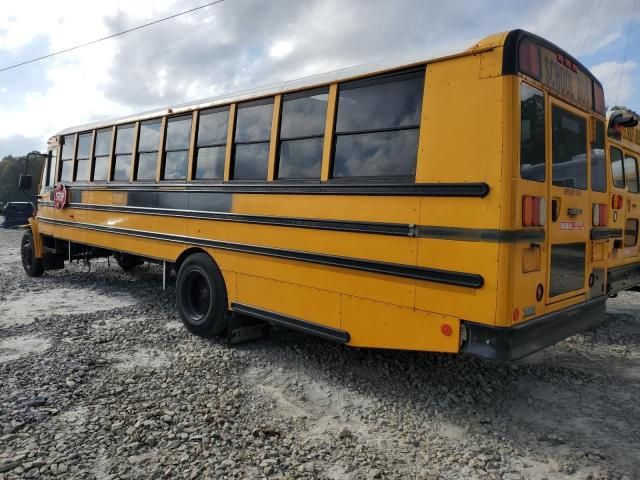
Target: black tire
{"x": 201, "y": 295}
{"x": 31, "y": 264}
{"x": 127, "y": 261}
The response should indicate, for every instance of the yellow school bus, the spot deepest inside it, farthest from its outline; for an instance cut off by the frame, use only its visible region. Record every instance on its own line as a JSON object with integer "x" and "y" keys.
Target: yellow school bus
{"x": 623, "y": 145}
{"x": 438, "y": 204}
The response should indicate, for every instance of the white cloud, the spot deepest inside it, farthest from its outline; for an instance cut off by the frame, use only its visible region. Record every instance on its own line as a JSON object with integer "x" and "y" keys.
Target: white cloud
{"x": 281, "y": 49}
{"x": 618, "y": 82}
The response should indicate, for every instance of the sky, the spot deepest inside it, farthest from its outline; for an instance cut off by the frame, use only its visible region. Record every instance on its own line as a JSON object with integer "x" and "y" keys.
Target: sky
{"x": 241, "y": 44}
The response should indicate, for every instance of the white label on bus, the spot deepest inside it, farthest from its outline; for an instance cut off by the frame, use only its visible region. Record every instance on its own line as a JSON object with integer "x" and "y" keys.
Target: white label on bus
{"x": 571, "y": 225}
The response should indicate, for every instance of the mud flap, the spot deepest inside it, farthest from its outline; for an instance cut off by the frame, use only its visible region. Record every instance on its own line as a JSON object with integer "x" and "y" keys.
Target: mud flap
{"x": 242, "y": 329}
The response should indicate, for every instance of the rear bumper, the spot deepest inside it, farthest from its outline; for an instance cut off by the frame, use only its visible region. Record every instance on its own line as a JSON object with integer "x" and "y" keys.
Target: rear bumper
{"x": 512, "y": 343}
{"x": 623, "y": 278}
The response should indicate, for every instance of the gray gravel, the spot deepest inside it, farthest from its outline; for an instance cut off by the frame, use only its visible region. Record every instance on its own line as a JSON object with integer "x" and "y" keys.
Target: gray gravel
{"x": 98, "y": 379}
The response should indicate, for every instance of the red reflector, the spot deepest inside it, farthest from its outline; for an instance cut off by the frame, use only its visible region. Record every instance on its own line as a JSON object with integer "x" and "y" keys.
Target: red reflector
{"x": 516, "y": 314}
{"x": 527, "y": 211}
{"x": 446, "y": 329}
{"x": 620, "y": 202}
{"x": 539, "y": 292}
{"x": 560, "y": 57}
{"x": 536, "y": 211}
{"x": 604, "y": 215}
{"x": 574, "y": 67}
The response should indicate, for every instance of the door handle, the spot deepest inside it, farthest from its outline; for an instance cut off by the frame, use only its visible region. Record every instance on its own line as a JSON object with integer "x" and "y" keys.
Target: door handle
{"x": 555, "y": 209}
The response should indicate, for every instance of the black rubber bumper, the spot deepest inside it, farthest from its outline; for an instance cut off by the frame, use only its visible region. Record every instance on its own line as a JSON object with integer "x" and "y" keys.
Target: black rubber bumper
{"x": 623, "y": 278}
{"x": 512, "y": 343}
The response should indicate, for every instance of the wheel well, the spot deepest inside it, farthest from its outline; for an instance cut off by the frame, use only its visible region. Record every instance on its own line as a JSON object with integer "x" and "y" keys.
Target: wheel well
{"x": 183, "y": 256}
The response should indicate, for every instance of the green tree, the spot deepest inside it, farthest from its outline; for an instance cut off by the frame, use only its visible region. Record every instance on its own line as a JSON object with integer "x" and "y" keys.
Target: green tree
{"x": 10, "y": 170}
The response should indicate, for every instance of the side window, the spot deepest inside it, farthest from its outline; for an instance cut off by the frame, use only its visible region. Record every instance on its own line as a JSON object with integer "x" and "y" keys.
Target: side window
{"x": 211, "y": 145}
{"x": 253, "y": 132}
{"x": 532, "y": 155}
{"x": 598, "y": 163}
{"x": 68, "y": 148}
{"x": 302, "y": 134}
{"x": 569, "y": 149}
{"x": 123, "y": 152}
{"x": 148, "y": 146}
{"x": 631, "y": 174}
{"x": 102, "y": 152}
{"x": 617, "y": 167}
{"x": 377, "y": 126}
{"x": 176, "y": 150}
{"x": 82, "y": 157}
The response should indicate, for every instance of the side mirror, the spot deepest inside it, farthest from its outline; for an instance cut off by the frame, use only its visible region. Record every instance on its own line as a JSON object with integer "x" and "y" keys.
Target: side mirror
{"x": 24, "y": 182}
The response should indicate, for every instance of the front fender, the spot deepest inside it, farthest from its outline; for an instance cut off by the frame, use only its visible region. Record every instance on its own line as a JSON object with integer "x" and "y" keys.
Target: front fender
{"x": 37, "y": 239}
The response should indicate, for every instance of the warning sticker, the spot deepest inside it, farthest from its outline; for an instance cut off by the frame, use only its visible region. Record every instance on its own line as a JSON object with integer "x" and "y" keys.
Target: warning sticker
{"x": 571, "y": 225}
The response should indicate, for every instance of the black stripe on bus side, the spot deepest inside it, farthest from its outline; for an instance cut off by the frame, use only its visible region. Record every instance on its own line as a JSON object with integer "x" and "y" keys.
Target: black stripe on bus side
{"x": 463, "y": 189}
{"x": 480, "y": 234}
{"x": 323, "y": 331}
{"x": 379, "y": 228}
{"x": 461, "y": 279}
{"x": 605, "y": 233}
{"x": 396, "y": 229}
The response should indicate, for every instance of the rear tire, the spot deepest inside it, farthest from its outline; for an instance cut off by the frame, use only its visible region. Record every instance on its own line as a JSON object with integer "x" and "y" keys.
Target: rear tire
{"x": 31, "y": 264}
{"x": 201, "y": 295}
{"x": 127, "y": 261}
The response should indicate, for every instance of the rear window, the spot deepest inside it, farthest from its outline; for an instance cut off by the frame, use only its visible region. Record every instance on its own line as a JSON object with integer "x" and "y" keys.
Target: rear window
{"x": 569, "y": 149}
{"x": 532, "y": 156}
{"x": 19, "y": 208}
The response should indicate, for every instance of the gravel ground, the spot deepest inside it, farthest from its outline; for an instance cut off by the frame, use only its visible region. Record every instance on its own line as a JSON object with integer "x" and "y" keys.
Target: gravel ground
{"x": 98, "y": 379}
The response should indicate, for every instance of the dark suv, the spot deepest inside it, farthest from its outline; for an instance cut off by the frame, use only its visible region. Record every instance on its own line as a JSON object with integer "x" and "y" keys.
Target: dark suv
{"x": 17, "y": 213}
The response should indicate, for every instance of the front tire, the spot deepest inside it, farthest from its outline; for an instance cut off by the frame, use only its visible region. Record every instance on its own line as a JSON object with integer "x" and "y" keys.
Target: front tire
{"x": 201, "y": 295}
{"x": 32, "y": 265}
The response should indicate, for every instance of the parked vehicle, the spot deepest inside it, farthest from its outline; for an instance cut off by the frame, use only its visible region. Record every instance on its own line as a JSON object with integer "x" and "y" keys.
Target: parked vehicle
{"x": 17, "y": 213}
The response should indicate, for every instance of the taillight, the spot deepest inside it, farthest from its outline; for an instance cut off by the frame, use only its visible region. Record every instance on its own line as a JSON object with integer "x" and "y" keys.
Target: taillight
{"x": 617, "y": 201}
{"x": 600, "y": 215}
{"x": 534, "y": 211}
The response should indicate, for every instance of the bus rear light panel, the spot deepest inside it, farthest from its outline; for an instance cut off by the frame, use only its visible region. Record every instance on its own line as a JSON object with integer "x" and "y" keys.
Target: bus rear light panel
{"x": 534, "y": 211}
{"x": 617, "y": 201}
{"x": 600, "y": 215}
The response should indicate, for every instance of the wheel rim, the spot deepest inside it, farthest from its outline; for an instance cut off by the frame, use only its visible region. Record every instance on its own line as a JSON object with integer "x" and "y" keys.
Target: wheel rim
{"x": 198, "y": 297}
{"x": 27, "y": 255}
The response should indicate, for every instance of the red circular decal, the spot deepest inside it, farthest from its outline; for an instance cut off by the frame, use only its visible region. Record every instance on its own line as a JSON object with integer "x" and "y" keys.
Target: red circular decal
{"x": 60, "y": 196}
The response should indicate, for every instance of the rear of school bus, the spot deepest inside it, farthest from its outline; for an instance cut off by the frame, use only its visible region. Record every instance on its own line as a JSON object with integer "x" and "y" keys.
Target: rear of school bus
{"x": 553, "y": 204}
{"x": 623, "y": 148}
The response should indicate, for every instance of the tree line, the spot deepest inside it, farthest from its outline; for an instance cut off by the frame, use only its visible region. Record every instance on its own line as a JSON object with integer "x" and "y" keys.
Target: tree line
{"x": 10, "y": 170}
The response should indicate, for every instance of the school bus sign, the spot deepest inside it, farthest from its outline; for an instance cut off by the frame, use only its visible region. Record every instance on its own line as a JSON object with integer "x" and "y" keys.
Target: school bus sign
{"x": 562, "y": 75}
